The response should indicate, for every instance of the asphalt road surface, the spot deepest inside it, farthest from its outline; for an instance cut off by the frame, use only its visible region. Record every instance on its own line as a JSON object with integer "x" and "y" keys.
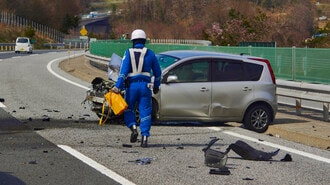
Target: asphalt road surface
{"x": 48, "y": 137}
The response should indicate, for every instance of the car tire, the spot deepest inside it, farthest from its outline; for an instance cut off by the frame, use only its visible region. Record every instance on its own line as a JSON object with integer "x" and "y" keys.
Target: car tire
{"x": 154, "y": 110}
{"x": 257, "y": 118}
{"x": 137, "y": 115}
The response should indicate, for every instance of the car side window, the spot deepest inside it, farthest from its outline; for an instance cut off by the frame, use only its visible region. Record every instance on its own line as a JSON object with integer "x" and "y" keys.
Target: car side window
{"x": 195, "y": 71}
{"x": 228, "y": 70}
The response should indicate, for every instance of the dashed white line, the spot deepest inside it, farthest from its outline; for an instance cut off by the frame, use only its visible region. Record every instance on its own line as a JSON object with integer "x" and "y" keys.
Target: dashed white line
{"x": 109, "y": 173}
{"x": 295, "y": 151}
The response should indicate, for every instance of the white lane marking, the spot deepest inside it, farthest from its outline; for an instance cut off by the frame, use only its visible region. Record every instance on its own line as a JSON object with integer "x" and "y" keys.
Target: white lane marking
{"x": 109, "y": 173}
{"x": 298, "y": 152}
{"x": 49, "y": 67}
{"x": 2, "y": 105}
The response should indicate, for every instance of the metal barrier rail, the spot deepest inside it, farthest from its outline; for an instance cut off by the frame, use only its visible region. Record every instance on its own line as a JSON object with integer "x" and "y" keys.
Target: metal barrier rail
{"x": 305, "y": 91}
{"x": 7, "y": 46}
{"x": 69, "y": 45}
{"x": 296, "y": 90}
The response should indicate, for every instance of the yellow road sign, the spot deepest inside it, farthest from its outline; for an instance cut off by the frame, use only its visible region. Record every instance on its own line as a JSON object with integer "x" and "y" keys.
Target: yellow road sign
{"x": 83, "y": 31}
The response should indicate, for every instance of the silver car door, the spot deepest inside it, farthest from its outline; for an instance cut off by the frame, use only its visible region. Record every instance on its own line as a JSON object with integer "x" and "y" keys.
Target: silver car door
{"x": 190, "y": 94}
{"x": 230, "y": 92}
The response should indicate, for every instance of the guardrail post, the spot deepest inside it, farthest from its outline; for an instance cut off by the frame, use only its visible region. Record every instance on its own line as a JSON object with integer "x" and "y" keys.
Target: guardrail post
{"x": 298, "y": 106}
{"x": 326, "y": 111}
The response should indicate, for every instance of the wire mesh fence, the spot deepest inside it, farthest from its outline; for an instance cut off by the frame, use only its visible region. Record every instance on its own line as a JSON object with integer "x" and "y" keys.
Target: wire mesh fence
{"x": 291, "y": 63}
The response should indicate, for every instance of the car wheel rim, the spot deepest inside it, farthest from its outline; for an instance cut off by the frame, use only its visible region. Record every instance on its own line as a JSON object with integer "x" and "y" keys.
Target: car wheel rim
{"x": 259, "y": 119}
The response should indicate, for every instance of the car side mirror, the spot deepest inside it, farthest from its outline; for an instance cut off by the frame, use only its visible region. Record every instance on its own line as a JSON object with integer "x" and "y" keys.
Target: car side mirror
{"x": 172, "y": 78}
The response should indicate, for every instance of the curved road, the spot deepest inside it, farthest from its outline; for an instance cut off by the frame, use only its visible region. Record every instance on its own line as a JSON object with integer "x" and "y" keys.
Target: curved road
{"x": 58, "y": 141}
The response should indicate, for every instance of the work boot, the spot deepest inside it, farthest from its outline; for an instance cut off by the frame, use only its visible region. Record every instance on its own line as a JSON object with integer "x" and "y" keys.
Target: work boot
{"x": 144, "y": 142}
{"x": 134, "y": 134}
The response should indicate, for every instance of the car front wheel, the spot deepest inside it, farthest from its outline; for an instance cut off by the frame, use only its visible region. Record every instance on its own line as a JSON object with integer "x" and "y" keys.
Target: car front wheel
{"x": 257, "y": 118}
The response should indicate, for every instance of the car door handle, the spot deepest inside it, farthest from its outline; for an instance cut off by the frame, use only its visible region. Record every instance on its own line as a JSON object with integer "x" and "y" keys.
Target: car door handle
{"x": 247, "y": 89}
{"x": 203, "y": 89}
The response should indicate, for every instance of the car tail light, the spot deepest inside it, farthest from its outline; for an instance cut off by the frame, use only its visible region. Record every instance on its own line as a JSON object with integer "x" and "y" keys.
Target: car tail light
{"x": 269, "y": 67}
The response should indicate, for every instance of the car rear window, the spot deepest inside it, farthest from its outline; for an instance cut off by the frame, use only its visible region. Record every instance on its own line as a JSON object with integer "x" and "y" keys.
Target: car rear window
{"x": 253, "y": 71}
{"x": 227, "y": 70}
{"x": 22, "y": 40}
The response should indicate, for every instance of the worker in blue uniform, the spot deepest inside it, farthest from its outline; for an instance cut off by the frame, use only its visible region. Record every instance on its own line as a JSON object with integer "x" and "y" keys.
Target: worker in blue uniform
{"x": 138, "y": 66}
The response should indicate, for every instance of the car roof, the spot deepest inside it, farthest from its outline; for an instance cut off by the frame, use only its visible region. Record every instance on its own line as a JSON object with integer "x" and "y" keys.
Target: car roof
{"x": 181, "y": 54}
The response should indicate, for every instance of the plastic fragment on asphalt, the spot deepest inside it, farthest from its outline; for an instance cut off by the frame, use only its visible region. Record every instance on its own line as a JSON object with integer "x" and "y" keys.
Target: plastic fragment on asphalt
{"x": 143, "y": 161}
{"x": 127, "y": 145}
{"x": 220, "y": 171}
{"x": 33, "y": 162}
{"x": 46, "y": 119}
{"x": 287, "y": 157}
{"x": 248, "y": 179}
{"x": 38, "y": 128}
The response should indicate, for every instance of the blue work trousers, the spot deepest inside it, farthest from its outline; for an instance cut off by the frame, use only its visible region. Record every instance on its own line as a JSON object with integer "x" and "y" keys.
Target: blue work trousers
{"x": 139, "y": 94}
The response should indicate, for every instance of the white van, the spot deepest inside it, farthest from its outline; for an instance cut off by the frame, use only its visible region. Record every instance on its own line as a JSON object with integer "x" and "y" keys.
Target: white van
{"x": 23, "y": 44}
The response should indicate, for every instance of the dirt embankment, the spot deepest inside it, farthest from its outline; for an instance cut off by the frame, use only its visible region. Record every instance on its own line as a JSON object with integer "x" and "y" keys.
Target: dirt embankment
{"x": 80, "y": 68}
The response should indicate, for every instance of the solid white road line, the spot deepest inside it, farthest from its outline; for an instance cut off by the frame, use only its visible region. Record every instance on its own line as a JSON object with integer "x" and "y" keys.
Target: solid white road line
{"x": 2, "y": 105}
{"x": 298, "y": 152}
{"x": 109, "y": 173}
{"x": 60, "y": 77}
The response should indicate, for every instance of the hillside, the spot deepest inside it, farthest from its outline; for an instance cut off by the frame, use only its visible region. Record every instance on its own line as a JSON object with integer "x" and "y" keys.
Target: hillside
{"x": 225, "y": 22}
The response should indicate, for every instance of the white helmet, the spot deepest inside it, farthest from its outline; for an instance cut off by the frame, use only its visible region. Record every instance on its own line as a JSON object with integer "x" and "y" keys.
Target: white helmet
{"x": 138, "y": 34}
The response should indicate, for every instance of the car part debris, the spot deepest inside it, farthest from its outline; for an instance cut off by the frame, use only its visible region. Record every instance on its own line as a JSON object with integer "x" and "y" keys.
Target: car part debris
{"x": 248, "y": 179}
{"x": 38, "y": 128}
{"x": 33, "y": 162}
{"x": 248, "y": 152}
{"x": 287, "y": 157}
{"x": 2, "y": 100}
{"x": 214, "y": 158}
{"x": 143, "y": 161}
{"x": 127, "y": 145}
{"x": 220, "y": 171}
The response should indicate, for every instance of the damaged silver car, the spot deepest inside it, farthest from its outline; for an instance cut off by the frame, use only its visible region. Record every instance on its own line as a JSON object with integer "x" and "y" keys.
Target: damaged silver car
{"x": 216, "y": 87}
{"x": 201, "y": 86}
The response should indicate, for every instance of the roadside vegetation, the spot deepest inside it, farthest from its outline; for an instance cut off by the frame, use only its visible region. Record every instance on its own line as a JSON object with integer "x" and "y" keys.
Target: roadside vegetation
{"x": 224, "y": 22}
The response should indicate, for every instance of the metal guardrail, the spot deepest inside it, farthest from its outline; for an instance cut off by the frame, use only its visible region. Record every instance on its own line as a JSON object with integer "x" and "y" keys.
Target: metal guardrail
{"x": 304, "y": 91}
{"x": 7, "y": 46}
{"x": 297, "y": 90}
{"x": 69, "y": 45}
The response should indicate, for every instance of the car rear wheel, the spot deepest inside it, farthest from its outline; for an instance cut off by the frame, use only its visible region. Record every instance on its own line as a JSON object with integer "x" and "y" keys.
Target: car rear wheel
{"x": 257, "y": 118}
